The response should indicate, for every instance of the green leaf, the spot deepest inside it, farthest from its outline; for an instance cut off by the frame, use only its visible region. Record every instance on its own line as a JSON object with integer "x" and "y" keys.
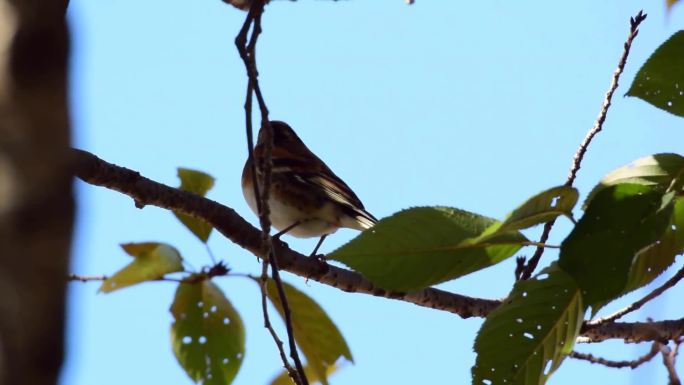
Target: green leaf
{"x": 422, "y": 246}
{"x": 656, "y": 258}
{"x": 523, "y": 341}
{"x": 284, "y": 378}
{"x": 315, "y": 333}
{"x": 620, "y": 222}
{"x": 658, "y": 169}
{"x": 207, "y": 334}
{"x": 199, "y": 183}
{"x": 195, "y": 181}
{"x": 152, "y": 261}
{"x": 661, "y": 80}
{"x": 541, "y": 208}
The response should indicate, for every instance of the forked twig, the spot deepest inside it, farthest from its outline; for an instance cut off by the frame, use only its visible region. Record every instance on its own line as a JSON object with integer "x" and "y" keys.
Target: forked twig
{"x": 669, "y": 357}
{"x": 635, "y": 21}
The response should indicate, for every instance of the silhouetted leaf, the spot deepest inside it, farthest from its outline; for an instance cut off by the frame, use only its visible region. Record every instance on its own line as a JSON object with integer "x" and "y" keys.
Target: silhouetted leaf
{"x": 620, "y": 222}
{"x": 199, "y": 183}
{"x": 526, "y": 338}
{"x": 207, "y": 334}
{"x": 315, "y": 333}
{"x": 422, "y": 246}
{"x": 661, "y": 80}
{"x": 152, "y": 261}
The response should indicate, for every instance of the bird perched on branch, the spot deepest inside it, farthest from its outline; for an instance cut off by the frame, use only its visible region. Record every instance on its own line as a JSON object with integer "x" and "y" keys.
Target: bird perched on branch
{"x": 306, "y": 198}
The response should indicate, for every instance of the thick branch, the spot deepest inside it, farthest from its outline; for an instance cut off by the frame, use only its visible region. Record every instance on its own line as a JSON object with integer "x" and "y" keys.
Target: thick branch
{"x": 94, "y": 170}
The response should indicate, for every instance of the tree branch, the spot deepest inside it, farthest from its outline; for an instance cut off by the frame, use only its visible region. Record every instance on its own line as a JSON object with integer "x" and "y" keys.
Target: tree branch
{"x": 634, "y": 22}
{"x": 638, "y": 304}
{"x": 86, "y": 278}
{"x": 633, "y": 331}
{"x": 669, "y": 356}
{"x": 225, "y": 220}
{"x": 633, "y": 364}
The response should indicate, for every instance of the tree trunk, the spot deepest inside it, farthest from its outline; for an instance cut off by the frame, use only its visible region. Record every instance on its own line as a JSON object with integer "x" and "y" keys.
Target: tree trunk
{"x": 36, "y": 202}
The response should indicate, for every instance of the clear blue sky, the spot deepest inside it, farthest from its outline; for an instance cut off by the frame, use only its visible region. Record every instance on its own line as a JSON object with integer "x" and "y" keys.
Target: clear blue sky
{"x": 476, "y": 105}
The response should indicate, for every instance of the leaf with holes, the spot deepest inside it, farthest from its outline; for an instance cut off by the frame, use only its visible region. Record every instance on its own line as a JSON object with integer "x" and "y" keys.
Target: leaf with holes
{"x": 315, "y": 333}
{"x": 541, "y": 208}
{"x": 660, "y": 81}
{"x": 620, "y": 222}
{"x": 657, "y": 169}
{"x": 199, "y": 183}
{"x": 284, "y": 378}
{"x": 523, "y": 341}
{"x": 152, "y": 261}
{"x": 422, "y": 246}
{"x": 207, "y": 334}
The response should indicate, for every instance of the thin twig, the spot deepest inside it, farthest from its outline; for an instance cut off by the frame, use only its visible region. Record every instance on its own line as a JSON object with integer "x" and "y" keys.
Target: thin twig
{"x": 669, "y": 356}
{"x": 638, "y": 304}
{"x": 96, "y": 278}
{"x": 86, "y": 278}
{"x": 241, "y": 42}
{"x": 582, "y": 149}
{"x": 211, "y": 253}
{"x": 267, "y": 324}
{"x": 655, "y": 349}
{"x": 248, "y": 54}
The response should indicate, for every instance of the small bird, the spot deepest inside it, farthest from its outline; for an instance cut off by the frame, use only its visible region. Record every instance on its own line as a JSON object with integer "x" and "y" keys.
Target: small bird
{"x": 306, "y": 198}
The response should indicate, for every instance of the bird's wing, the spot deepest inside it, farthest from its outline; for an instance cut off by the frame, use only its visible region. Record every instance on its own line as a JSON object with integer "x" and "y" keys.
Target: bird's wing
{"x": 311, "y": 170}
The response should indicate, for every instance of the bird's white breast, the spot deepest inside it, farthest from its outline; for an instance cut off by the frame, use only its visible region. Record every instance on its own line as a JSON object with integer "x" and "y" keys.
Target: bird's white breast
{"x": 284, "y": 215}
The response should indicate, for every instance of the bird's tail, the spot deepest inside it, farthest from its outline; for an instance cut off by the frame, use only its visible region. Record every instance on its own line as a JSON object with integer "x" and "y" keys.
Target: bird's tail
{"x": 365, "y": 219}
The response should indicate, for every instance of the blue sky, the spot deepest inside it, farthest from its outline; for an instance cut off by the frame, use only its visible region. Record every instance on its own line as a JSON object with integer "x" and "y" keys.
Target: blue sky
{"x": 475, "y": 105}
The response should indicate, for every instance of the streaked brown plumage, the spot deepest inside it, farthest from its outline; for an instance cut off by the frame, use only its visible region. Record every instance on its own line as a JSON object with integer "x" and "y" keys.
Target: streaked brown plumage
{"x": 303, "y": 189}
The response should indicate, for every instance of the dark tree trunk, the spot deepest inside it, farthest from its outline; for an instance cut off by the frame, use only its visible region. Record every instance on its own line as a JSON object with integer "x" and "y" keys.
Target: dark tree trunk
{"x": 36, "y": 202}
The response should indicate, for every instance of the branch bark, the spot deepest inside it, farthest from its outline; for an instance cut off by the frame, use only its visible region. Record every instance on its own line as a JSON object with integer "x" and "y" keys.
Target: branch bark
{"x": 225, "y": 220}
{"x": 144, "y": 191}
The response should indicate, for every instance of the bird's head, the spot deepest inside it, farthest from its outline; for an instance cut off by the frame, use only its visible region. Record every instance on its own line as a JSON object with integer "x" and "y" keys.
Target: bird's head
{"x": 283, "y": 136}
